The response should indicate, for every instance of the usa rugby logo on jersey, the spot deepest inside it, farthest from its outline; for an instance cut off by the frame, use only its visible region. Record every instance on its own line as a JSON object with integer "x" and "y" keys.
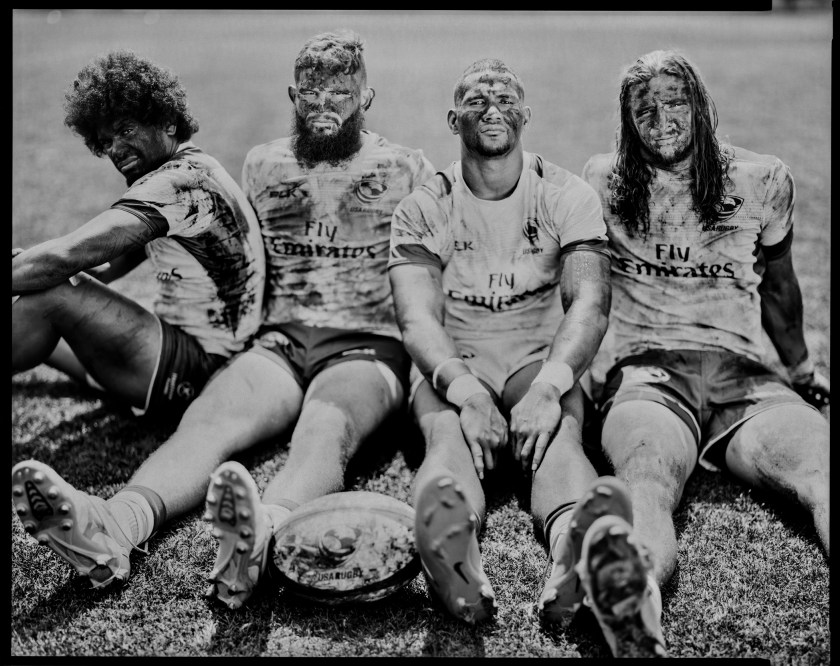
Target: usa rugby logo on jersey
{"x": 531, "y": 231}
{"x": 729, "y": 207}
{"x": 370, "y": 190}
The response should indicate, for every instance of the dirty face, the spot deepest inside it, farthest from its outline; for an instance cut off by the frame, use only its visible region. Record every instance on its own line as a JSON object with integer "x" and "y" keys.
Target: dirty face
{"x": 490, "y": 116}
{"x": 136, "y": 148}
{"x": 325, "y": 101}
{"x": 661, "y": 112}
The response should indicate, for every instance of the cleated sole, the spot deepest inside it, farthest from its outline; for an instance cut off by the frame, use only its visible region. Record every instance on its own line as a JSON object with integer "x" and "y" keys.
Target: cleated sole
{"x": 445, "y": 533}
{"x": 563, "y": 594}
{"x": 614, "y": 570}
{"x": 231, "y": 507}
{"x": 46, "y": 506}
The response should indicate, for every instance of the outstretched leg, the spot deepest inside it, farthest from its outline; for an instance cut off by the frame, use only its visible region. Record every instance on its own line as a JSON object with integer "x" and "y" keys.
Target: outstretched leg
{"x": 450, "y": 505}
{"x": 653, "y": 452}
{"x": 786, "y": 449}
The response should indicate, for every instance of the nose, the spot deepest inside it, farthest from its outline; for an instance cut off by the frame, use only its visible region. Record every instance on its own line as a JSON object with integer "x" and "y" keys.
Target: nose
{"x": 492, "y": 111}
{"x": 114, "y": 147}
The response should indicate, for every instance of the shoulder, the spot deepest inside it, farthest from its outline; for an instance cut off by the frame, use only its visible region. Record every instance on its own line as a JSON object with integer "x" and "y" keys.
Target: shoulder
{"x": 396, "y": 152}
{"x": 598, "y": 168}
{"x": 278, "y": 150}
{"x": 561, "y": 185}
{"x": 741, "y": 159}
{"x": 757, "y": 172}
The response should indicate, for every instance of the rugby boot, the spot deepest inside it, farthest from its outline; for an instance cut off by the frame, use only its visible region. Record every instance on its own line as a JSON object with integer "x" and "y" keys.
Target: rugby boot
{"x": 244, "y": 530}
{"x": 563, "y": 593}
{"x": 445, "y": 533}
{"x": 614, "y": 571}
{"x": 78, "y": 527}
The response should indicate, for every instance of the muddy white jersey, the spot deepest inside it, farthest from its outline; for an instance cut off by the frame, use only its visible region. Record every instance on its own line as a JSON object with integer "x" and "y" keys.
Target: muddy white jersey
{"x": 326, "y": 231}
{"x": 500, "y": 260}
{"x": 208, "y": 255}
{"x": 682, "y": 287}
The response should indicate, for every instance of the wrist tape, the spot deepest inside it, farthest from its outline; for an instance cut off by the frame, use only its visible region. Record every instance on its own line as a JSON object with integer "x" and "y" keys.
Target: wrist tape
{"x": 440, "y": 366}
{"x": 557, "y": 374}
{"x": 462, "y": 387}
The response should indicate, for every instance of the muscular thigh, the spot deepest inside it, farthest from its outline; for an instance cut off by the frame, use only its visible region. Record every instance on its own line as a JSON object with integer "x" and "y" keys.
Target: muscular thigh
{"x": 645, "y": 439}
{"x": 115, "y": 338}
{"x": 251, "y": 399}
{"x": 775, "y": 447}
{"x": 362, "y": 393}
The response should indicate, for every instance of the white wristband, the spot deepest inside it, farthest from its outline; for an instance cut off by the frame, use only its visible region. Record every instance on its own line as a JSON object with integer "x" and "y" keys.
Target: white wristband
{"x": 557, "y": 374}
{"x": 440, "y": 365}
{"x": 801, "y": 371}
{"x": 462, "y": 387}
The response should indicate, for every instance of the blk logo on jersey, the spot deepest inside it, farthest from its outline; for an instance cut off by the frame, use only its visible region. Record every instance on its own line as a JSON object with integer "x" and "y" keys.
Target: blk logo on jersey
{"x": 369, "y": 190}
{"x": 729, "y": 207}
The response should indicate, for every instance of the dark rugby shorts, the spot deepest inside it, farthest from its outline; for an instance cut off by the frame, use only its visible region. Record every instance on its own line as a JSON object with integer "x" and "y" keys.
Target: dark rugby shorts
{"x": 183, "y": 370}
{"x": 310, "y": 349}
{"x": 713, "y": 392}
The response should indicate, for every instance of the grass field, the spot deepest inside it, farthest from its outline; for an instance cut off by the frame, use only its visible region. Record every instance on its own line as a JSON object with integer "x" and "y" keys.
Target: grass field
{"x": 751, "y": 580}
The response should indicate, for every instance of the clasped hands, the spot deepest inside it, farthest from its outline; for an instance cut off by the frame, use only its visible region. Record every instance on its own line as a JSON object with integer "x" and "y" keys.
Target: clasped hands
{"x": 533, "y": 423}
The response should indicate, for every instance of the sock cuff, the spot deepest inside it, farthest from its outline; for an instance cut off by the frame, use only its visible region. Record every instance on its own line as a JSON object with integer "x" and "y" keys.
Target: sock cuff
{"x": 554, "y": 515}
{"x": 155, "y": 502}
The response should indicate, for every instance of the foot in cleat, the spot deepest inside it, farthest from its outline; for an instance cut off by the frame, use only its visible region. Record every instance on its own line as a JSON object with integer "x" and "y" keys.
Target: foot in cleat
{"x": 614, "y": 571}
{"x": 563, "y": 592}
{"x": 447, "y": 541}
{"x": 242, "y": 527}
{"x": 78, "y": 527}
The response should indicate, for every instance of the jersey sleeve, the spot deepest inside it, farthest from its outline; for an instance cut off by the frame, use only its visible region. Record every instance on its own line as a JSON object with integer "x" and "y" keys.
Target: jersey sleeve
{"x": 168, "y": 201}
{"x": 778, "y": 205}
{"x": 415, "y": 233}
{"x": 578, "y": 216}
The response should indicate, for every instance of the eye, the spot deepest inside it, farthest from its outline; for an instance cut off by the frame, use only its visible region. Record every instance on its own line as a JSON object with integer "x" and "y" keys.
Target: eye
{"x": 127, "y": 131}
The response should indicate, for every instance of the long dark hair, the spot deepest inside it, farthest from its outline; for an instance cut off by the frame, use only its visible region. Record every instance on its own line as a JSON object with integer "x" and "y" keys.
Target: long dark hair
{"x": 631, "y": 174}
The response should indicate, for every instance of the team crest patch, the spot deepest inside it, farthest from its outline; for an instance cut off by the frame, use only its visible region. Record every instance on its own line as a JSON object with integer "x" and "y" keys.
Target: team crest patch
{"x": 370, "y": 190}
{"x": 644, "y": 374}
{"x": 531, "y": 231}
{"x": 729, "y": 207}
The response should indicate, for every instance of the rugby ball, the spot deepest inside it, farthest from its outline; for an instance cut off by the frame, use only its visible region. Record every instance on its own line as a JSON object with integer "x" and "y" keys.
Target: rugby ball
{"x": 348, "y": 547}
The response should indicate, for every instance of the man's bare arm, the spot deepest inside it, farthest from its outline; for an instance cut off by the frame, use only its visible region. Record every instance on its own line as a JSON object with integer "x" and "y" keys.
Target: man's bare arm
{"x": 106, "y": 237}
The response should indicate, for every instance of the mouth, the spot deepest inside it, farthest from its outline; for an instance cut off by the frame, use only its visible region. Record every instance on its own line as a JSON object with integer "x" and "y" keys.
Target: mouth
{"x": 326, "y": 122}
{"x": 494, "y": 130}
{"x": 128, "y": 163}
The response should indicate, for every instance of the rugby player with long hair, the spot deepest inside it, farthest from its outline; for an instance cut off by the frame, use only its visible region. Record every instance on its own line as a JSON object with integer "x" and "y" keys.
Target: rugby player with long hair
{"x": 700, "y": 234}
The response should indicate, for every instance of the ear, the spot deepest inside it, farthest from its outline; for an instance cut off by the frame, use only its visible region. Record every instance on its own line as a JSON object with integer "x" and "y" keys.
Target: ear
{"x": 452, "y": 121}
{"x": 526, "y": 112}
{"x": 171, "y": 128}
{"x": 292, "y": 93}
{"x": 367, "y": 98}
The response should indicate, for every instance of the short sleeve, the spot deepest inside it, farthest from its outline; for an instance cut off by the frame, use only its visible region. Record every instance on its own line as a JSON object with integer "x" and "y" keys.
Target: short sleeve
{"x": 778, "y": 205}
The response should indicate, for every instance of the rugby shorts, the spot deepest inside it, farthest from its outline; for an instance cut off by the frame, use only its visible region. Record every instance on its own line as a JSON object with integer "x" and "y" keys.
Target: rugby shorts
{"x": 183, "y": 368}
{"x": 308, "y": 350}
{"x": 712, "y": 392}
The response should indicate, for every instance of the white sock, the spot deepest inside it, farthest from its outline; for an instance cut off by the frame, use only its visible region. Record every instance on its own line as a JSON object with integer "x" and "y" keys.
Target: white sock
{"x": 132, "y": 510}
{"x": 655, "y": 594}
{"x": 277, "y": 516}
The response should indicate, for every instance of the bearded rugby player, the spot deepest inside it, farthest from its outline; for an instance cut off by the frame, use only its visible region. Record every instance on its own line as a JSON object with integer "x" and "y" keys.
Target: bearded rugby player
{"x": 328, "y": 360}
{"x": 700, "y": 234}
{"x": 501, "y": 284}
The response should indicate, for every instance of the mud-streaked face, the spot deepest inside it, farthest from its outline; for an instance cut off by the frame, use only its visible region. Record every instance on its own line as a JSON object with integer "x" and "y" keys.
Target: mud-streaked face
{"x": 325, "y": 101}
{"x": 136, "y": 148}
{"x": 490, "y": 115}
{"x": 662, "y": 114}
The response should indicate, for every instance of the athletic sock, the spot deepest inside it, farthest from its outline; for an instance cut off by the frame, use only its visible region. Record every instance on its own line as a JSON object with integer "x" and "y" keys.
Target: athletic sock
{"x": 556, "y": 527}
{"x": 140, "y": 509}
{"x": 655, "y": 594}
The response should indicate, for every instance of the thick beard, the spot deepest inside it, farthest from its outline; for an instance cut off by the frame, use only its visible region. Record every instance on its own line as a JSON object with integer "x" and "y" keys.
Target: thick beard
{"x": 311, "y": 149}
